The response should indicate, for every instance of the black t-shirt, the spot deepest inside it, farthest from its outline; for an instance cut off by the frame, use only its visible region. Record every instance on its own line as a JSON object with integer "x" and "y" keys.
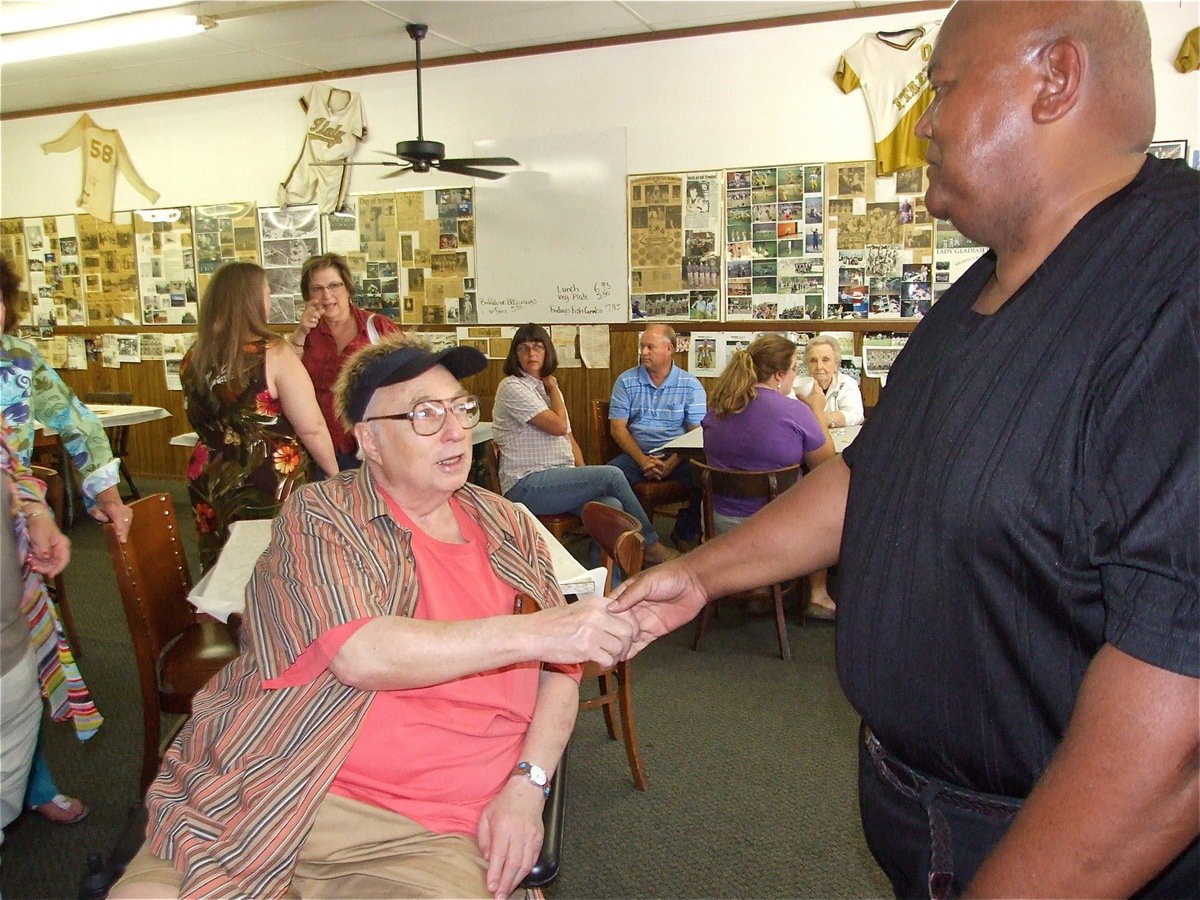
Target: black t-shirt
{"x": 1026, "y": 491}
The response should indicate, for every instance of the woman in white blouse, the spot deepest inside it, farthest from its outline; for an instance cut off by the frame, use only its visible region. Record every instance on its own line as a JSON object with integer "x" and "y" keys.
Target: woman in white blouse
{"x": 541, "y": 464}
{"x": 842, "y": 398}
{"x": 843, "y": 404}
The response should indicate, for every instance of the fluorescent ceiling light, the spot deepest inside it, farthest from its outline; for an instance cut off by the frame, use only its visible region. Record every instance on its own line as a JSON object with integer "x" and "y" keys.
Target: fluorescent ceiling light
{"x": 122, "y": 31}
{"x": 33, "y": 15}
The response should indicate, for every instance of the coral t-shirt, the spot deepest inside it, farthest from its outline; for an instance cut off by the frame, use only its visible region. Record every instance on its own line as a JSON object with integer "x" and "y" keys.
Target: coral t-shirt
{"x": 438, "y": 754}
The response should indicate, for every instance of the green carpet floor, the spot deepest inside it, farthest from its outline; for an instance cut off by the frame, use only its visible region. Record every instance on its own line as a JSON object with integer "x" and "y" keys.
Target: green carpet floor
{"x": 751, "y": 763}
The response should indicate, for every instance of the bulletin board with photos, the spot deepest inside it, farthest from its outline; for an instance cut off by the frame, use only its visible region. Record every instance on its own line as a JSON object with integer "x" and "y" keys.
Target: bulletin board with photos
{"x": 675, "y": 232}
{"x": 109, "y": 266}
{"x": 45, "y": 251}
{"x": 802, "y": 242}
{"x": 412, "y": 254}
{"x": 166, "y": 265}
{"x": 288, "y": 236}
{"x": 225, "y": 232}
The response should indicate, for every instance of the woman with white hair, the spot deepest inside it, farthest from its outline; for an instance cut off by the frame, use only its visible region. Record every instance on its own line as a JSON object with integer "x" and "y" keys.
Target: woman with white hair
{"x": 842, "y": 398}
{"x": 842, "y": 401}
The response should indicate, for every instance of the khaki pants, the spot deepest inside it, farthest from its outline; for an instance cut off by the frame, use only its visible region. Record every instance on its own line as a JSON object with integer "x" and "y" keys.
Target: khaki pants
{"x": 355, "y": 850}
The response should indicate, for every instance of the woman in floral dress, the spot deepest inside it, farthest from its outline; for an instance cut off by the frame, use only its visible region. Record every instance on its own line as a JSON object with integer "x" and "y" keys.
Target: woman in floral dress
{"x": 252, "y": 403}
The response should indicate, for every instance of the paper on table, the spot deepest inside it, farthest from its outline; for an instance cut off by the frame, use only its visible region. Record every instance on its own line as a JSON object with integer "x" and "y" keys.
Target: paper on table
{"x": 222, "y": 590}
{"x": 594, "y": 346}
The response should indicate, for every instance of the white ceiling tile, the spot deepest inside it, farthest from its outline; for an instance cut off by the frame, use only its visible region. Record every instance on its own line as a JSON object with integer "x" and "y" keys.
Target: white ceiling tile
{"x": 666, "y": 14}
{"x": 369, "y": 50}
{"x": 279, "y": 26}
{"x": 42, "y": 69}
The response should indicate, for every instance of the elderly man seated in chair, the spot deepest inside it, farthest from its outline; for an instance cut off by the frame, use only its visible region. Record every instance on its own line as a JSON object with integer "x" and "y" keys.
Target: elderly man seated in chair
{"x": 390, "y": 726}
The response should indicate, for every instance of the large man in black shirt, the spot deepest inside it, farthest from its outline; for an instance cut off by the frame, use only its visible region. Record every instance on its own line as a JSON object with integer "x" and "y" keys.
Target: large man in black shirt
{"x": 1019, "y": 521}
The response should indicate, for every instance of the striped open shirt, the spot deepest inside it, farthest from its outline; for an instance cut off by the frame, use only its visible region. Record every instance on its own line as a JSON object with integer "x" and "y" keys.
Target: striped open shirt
{"x": 238, "y": 789}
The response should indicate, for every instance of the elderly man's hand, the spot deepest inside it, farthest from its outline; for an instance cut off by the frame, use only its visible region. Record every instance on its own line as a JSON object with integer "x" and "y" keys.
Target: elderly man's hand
{"x": 584, "y": 631}
{"x": 510, "y": 835}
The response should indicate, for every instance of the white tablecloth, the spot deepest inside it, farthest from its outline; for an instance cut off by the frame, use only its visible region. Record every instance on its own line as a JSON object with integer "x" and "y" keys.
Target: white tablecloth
{"x": 222, "y": 590}
{"x": 480, "y": 433}
{"x": 694, "y": 440}
{"x": 111, "y": 416}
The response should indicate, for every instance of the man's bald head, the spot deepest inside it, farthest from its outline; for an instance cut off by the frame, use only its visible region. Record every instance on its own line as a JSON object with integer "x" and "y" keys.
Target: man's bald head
{"x": 1118, "y": 88}
{"x": 1036, "y": 105}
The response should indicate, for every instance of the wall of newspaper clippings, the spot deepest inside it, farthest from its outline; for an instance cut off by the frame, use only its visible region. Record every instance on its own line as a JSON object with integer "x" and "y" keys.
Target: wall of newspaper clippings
{"x": 412, "y": 254}
{"x": 802, "y": 242}
{"x": 225, "y": 232}
{"x": 45, "y": 251}
{"x": 166, "y": 265}
{"x": 675, "y": 236}
{"x": 796, "y": 242}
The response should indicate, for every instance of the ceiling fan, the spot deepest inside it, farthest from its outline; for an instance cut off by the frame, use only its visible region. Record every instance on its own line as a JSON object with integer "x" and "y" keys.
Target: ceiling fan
{"x": 422, "y": 155}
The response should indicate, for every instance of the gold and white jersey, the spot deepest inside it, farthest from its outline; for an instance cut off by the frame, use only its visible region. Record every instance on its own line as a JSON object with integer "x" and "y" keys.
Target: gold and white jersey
{"x": 335, "y": 124}
{"x": 104, "y": 154}
{"x": 1188, "y": 58}
{"x": 890, "y": 66}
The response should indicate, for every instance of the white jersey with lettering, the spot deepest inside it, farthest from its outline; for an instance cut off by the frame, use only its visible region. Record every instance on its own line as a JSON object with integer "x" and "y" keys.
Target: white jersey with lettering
{"x": 890, "y": 66}
{"x": 335, "y": 124}
{"x": 104, "y": 154}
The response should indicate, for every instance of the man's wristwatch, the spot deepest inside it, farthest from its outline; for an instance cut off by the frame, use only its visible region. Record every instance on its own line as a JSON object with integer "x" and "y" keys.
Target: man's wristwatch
{"x": 534, "y": 773}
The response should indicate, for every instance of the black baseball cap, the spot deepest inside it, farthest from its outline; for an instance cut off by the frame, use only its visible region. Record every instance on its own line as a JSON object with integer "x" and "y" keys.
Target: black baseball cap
{"x": 404, "y": 363}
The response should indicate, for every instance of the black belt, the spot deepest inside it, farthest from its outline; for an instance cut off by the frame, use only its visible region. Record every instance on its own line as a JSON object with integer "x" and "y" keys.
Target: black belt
{"x": 926, "y": 789}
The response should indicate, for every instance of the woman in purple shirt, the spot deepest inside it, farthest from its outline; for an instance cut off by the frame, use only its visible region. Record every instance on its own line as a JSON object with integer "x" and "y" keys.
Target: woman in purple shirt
{"x": 754, "y": 423}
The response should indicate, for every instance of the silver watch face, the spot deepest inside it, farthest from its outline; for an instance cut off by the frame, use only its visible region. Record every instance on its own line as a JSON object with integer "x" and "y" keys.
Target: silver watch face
{"x": 538, "y": 776}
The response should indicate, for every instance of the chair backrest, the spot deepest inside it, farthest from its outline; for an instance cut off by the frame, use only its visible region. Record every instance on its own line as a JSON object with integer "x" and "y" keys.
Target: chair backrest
{"x": 619, "y": 537}
{"x": 153, "y": 578}
{"x": 491, "y": 466}
{"x": 767, "y": 483}
{"x": 603, "y": 445}
{"x": 55, "y": 498}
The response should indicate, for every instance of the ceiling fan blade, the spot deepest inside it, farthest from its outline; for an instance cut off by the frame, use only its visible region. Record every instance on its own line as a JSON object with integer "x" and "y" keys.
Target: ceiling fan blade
{"x": 483, "y": 161}
{"x": 359, "y": 164}
{"x": 386, "y": 153}
{"x": 447, "y": 165}
{"x": 399, "y": 171}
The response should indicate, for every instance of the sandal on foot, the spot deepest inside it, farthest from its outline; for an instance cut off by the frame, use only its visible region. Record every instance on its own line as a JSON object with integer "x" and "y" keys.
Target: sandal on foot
{"x": 63, "y": 810}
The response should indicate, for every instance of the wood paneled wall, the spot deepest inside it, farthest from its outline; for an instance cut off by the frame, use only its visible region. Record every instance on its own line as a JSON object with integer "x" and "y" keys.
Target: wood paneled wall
{"x": 151, "y": 454}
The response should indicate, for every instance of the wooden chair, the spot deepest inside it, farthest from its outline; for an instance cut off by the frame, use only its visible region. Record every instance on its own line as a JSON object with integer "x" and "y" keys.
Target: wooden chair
{"x": 751, "y": 485}
{"x": 655, "y": 496}
{"x": 558, "y": 524}
{"x": 118, "y": 437}
{"x": 56, "y": 500}
{"x": 49, "y": 452}
{"x": 177, "y": 650}
{"x": 619, "y": 536}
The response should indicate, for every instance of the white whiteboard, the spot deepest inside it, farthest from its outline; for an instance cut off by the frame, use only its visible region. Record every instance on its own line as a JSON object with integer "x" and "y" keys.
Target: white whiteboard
{"x": 550, "y": 237}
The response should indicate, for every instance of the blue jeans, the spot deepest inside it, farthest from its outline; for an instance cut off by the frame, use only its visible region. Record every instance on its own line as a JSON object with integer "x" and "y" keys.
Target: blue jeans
{"x": 568, "y": 488}
{"x": 41, "y": 787}
{"x": 688, "y": 525}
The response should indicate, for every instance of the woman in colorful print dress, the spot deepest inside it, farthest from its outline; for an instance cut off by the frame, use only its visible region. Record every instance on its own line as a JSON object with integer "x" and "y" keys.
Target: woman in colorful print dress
{"x": 252, "y": 403}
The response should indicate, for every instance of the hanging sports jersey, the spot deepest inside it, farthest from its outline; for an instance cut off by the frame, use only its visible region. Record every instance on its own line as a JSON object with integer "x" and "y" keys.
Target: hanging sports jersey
{"x": 889, "y": 66}
{"x": 336, "y": 123}
{"x": 1188, "y": 58}
{"x": 104, "y": 154}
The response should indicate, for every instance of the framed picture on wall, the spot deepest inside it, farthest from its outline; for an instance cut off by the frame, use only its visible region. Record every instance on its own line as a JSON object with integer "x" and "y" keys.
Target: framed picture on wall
{"x": 1169, "y": 149}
